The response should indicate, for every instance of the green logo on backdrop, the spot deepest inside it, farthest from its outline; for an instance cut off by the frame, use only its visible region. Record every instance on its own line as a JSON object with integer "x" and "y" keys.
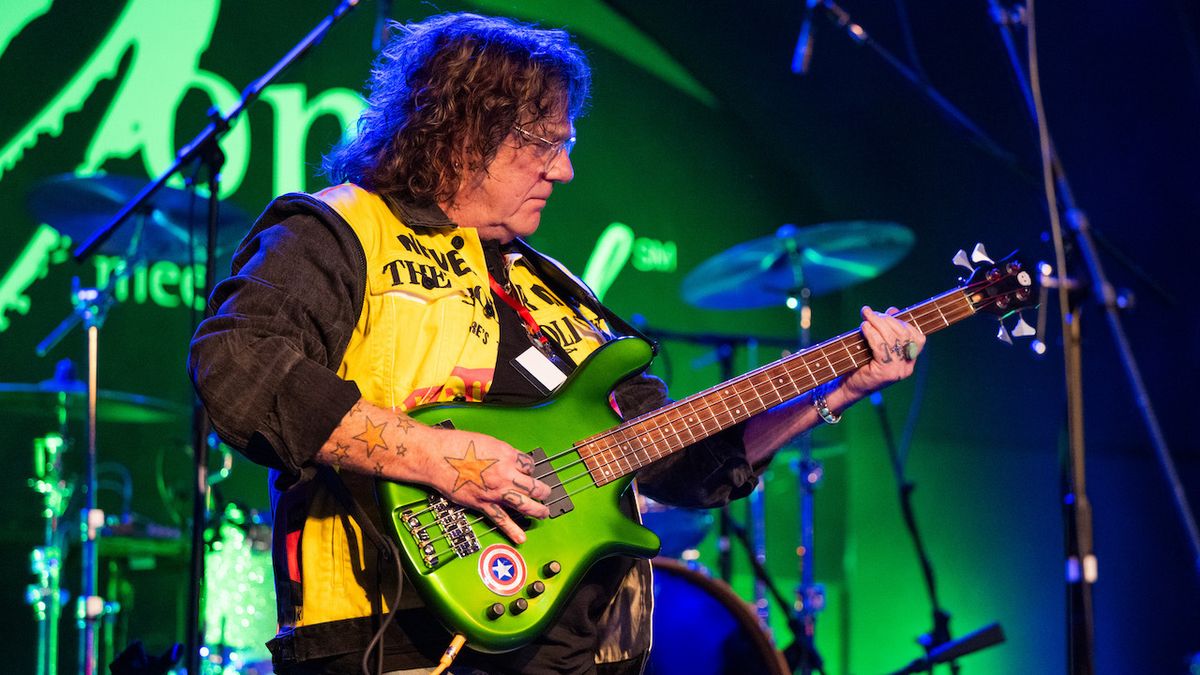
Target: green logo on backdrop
{"x": 164, "y": 42}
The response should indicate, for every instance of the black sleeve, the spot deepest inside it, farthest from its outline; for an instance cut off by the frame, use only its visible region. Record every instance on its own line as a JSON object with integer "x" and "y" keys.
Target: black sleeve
{"x": 264, "y": 363}
{"x": 704, "y": 475}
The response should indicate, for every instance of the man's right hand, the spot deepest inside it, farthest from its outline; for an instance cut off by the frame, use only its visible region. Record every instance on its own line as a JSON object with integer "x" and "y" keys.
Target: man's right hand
{"x": 471, "y": 469}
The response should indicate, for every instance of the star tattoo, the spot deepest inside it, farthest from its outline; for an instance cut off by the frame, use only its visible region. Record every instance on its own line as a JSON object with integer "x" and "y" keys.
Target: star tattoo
{"x": 405, "y": 423}
{"x": 373, "y": 437}
{"x": 401, "y": 450}
{"x": 342, "y": 451}
{"x": 470, "y": 468}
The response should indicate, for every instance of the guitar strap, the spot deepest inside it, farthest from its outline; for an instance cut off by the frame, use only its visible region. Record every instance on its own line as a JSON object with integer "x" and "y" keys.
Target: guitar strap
{"x": 574, "y": 292}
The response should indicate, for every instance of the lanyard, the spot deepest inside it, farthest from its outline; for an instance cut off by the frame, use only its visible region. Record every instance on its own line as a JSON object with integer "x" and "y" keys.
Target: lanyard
{"x": 531, "y": 325}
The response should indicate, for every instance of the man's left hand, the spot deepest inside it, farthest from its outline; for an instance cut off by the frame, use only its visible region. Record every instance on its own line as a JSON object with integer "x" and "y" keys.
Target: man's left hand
{"x": 894, "y": 344}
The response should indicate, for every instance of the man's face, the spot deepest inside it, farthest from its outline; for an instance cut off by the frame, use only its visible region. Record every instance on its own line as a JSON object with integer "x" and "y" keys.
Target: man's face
{"x": 505, "y": 200}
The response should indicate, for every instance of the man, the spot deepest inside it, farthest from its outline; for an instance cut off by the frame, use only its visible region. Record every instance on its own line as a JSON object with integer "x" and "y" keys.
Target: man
{"x": 410, "y": 283}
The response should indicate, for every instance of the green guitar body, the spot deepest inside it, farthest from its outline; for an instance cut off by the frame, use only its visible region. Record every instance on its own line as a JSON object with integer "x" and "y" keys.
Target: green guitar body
{"x": 594, "y": 528}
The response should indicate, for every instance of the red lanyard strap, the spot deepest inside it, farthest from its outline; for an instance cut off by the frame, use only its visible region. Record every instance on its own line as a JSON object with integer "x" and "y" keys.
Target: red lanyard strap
{"x": 535, "y": 331}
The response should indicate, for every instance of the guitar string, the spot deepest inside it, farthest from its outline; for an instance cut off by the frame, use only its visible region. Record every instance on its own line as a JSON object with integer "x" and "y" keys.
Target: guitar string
{"x": 790, "y": 369}
{"x": 650, "y": 426}
{"x": 825, "y": 346}
{"x": 856, "y": 342}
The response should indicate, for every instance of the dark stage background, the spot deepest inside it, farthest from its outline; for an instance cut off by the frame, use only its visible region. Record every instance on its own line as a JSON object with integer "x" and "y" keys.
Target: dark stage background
{"x": 699, "y": 137}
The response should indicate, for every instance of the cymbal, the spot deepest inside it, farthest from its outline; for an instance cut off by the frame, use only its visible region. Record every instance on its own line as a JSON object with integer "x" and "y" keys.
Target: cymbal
{"x": 821, "y": 258}
{"x": 42, "y": 398}
{"x": 77, "y": 206}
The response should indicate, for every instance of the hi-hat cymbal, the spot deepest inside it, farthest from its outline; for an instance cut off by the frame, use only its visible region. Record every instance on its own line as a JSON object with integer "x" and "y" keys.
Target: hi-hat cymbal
{"x": 42, "y": 399}
{"x": 820, "y": 258}
{"x": 77, "y": 206}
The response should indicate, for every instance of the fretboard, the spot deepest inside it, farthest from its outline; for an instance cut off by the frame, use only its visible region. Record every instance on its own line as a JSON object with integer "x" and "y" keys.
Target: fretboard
{"x": 646, "y": 439}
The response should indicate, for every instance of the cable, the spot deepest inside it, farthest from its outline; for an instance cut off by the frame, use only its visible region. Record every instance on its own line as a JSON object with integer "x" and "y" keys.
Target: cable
{"x": 377, "y": 639}
{"x": 451, "y": 652}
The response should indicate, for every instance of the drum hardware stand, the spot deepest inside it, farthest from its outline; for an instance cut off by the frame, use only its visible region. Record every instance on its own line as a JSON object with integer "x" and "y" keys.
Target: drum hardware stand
{"x": 802, "y": 653}
{"x": 91, "y": 308}
{"x": 723, "y": 347}
{"x": 1080, "y": 557}
{"x": 205, "y": 149}
{"x": 810, "y": 596}
{"x": 47, "y": 596}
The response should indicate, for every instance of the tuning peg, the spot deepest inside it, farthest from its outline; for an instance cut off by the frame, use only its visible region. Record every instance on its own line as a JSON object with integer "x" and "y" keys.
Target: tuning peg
{"x": 1022, "y": 329}
{"x": 962, "y": 260}
{"x": 1003, "y": 335}
{"x": 980, "y": 255}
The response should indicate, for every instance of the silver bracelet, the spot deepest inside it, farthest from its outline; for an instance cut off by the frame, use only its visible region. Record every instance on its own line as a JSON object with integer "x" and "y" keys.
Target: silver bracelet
{"x": 818, "y": 401}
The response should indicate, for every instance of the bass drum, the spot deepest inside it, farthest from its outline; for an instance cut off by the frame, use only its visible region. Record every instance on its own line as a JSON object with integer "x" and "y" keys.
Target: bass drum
{"x": 701, "y": 627}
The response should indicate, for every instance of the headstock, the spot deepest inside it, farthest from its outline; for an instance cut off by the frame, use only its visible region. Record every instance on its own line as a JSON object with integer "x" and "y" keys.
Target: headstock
{"x": 1001, "y": 288}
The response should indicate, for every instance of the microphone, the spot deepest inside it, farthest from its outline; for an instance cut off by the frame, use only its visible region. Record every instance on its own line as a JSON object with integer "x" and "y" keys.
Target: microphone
{"x": 382, "y": 17}
{"x": 804, "y": 43}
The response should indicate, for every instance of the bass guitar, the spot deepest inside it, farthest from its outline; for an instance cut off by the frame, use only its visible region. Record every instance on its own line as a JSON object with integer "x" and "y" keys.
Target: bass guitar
{"x": 500, "y": 596}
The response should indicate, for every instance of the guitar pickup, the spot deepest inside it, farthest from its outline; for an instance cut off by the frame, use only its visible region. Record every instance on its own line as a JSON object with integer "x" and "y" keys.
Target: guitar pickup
{"x": 559, "y": 502}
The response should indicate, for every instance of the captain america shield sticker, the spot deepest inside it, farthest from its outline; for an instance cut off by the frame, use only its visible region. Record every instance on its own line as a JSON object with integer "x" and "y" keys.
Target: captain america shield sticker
{"x": 502, "y": 569}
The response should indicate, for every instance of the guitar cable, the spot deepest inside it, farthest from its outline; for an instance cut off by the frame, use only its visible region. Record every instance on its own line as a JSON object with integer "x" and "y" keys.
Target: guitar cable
{"x": 452, "y": 651}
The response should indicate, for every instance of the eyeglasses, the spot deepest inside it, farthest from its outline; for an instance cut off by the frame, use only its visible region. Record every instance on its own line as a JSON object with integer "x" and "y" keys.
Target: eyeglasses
{"x": 547, "y": 148}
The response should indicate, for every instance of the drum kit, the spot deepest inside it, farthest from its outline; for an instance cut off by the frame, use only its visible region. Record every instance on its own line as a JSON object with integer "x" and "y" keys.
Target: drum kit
{"x": 786, "y": 269}
{"x": 240, "y": 602}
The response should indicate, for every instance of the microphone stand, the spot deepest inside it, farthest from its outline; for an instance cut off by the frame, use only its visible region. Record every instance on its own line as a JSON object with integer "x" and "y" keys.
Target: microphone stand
{"x": 205, "y": 149}
{"x": 936, "y": 639}
{"x": 956, "y": 117}
{"x": 1081, "y": 559}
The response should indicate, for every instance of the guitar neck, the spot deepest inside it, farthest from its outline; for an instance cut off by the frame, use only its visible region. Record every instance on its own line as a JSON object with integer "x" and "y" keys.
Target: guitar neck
{"x": 646, "y": 439}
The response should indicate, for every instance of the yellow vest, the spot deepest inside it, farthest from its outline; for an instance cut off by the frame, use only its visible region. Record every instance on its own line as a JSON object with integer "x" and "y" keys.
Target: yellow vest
{"x": 427, "y": 333}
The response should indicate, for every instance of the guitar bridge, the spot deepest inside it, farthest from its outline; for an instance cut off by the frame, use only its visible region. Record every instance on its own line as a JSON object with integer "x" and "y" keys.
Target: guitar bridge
{"x": 452, "y": 521}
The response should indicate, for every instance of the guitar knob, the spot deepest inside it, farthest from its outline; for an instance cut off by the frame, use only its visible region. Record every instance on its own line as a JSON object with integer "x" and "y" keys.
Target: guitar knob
{"x": 535, "y": 589}
{"x": 519, "y": 605}
{"x": 495, "y": 611}
{"x": 551, "y": 568}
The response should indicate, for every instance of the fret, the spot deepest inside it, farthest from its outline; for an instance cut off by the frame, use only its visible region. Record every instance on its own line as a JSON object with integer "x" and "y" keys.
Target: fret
{"x": 850, "y": 354}
{"x": 628, "y": 447}
{"x": 938, "y": 307}
{"x": 765, "y": 396}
